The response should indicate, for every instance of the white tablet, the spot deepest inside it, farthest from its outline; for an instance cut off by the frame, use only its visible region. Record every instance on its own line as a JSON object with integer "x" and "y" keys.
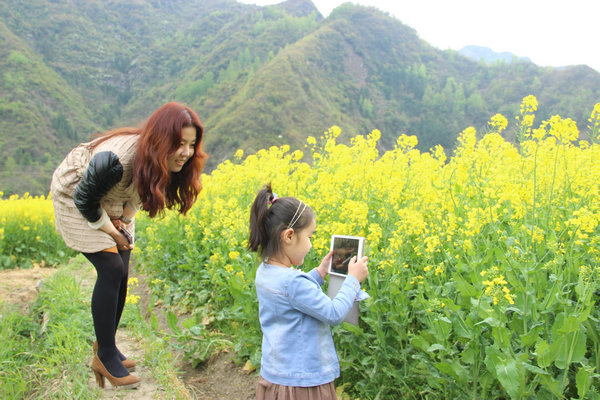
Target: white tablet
{"x": 344, "y": 248}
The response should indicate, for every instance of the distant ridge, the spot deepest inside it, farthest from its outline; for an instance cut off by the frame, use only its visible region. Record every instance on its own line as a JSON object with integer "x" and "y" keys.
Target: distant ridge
{"x": 489, "y": 56}
{"x": 256, "y": 76}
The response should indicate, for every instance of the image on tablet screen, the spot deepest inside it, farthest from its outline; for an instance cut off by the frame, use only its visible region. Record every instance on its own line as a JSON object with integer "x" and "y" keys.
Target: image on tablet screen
{"x": 343, "y": 250}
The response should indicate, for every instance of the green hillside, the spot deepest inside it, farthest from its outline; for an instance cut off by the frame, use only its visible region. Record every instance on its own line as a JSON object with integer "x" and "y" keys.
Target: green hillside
{"x": 40, "y": 115}
{"x": 256, "y": 76}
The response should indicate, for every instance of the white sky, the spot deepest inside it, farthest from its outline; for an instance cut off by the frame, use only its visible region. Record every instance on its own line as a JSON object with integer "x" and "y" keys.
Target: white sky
{"x": 549, "y": 32}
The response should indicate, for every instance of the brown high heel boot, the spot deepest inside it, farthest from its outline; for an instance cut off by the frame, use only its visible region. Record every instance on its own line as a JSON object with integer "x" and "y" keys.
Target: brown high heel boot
{"x": 127, "y": 363}
{"x": 125, "y": 382}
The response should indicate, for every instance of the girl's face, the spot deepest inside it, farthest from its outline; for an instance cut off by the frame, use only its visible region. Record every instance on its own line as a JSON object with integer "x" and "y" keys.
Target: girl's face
{"x": 300, "y": 244}
{"x": 185, "y": 151}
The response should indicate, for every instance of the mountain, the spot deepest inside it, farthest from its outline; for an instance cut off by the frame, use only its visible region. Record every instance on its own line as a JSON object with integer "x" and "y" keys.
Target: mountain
{"x": 256, "y": 76}
{"x": 40, "y": 114}
{"x": 489, "y": 56}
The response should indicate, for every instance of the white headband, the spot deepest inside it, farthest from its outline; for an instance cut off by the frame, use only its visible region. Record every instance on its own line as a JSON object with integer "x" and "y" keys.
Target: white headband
{"x": 297, "y": 214}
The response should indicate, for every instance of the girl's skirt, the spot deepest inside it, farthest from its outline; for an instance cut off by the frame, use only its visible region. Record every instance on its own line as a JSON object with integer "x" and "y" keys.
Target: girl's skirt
{"x": 270, "y": 391}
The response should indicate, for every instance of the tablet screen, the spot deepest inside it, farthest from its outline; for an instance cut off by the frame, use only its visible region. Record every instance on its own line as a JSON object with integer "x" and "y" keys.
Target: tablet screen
{"x": 344, "y": 248}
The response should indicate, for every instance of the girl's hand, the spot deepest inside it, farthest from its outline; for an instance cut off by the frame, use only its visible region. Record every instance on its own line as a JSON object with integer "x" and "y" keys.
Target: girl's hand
{"x": 358, "y": 268}
{"x": 322, "y": 269}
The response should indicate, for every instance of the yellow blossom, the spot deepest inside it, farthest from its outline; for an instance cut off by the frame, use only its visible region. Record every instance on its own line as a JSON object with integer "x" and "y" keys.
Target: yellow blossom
{"x": 498, "y": 122}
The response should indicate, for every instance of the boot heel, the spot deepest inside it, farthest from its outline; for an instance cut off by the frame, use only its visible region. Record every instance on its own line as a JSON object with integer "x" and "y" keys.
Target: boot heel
{"x": 99, "y": 379}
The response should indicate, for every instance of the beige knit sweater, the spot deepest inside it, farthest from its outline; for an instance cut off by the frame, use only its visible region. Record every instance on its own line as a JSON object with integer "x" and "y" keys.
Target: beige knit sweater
{"x": 76, "y": 231}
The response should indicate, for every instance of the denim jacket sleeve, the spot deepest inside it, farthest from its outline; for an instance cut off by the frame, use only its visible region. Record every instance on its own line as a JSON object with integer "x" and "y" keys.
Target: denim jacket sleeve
{"x": 306, "y": 295}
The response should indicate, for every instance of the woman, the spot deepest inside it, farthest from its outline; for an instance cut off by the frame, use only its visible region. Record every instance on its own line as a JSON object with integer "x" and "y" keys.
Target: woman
{"x": 98, "y": 189}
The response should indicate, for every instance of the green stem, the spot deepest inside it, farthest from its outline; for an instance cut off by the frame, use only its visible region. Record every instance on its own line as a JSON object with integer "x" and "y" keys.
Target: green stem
{"x": 550, "y": 195}
{"x": 526, "y": 292}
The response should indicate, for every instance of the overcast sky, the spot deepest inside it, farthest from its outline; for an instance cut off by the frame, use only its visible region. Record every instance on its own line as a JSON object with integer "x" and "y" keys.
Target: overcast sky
{"x": 549, "y": 32}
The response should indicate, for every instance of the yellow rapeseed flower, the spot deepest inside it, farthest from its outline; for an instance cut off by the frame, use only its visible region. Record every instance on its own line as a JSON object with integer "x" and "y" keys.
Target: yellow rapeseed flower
{"x": 498, "y": 122}
{"x": 529, "y": 104}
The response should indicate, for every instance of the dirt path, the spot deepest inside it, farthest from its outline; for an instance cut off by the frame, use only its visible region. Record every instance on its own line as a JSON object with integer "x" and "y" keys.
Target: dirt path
{"x": 149, "y": 389}
{"x": 18, "y": 287}
{"x": 219, "y": 379}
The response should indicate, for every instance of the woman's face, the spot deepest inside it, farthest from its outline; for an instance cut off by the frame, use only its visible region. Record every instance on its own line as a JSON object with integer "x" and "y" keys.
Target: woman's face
{"x": 185, "y": 151}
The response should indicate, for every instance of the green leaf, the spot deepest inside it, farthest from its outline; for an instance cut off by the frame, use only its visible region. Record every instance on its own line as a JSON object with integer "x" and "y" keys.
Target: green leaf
{"x": 196, "y": 330}
{"x": 455, "y": 370}
{"x": 436, "y": 346}
{"x": 187, "y": 323}
{"x": 515, "y": 309}
{"x": 462, "y": 373}
{"x": 509, "y": 376}
{"x": 569, "y": 349}
{"x": 491, "y": 321}
{"x": 446, "y": 368}
{"x": 583, "y": 381}
{"x": 468, "y": 355}
{"x": 552, "y": 385}
{"x": 465, "y": 288}
{"x": 544, "y": 357}
{"x": 559, "y": 351}
{"x": 154, "y": 322}
{"x": 580, "y": 348}
{"x": 558, "y": 324}
{"x": 534, "y": 369}
{"x": 420, "y": 343}
{"x": 585, "y": 314}
{"x": 462, "y": 329}
{"x": 530, "y": 338}
{"x": 172, "y": 322}
{"x": 354, "y": 329}
{"x": 570, "y": 324}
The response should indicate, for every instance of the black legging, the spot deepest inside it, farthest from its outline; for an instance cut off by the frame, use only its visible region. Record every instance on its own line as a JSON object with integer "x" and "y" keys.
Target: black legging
{"x": 108, "y": 300}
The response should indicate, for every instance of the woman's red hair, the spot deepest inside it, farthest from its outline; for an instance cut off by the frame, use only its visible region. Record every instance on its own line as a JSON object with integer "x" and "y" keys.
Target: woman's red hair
{"x": 157, "y": 186}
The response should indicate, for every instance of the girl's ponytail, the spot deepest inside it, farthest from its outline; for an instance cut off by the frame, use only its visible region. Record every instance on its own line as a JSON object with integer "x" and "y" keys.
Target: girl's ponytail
{"x": 270, "y": 215}
{"x": 258, "y": 213}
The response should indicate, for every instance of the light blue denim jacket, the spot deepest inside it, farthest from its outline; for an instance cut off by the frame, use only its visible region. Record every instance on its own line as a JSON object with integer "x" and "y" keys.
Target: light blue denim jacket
{"x": 295, "y": 314}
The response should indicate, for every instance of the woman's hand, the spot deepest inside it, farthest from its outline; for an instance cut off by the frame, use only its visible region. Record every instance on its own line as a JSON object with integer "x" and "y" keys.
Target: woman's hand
{"x": 324, "y": 267}
{"x": 122, "y": 242}
{"x": 113, "y": 229}
{"x": 358, "y": 268}
{"x": 117, "y": 223}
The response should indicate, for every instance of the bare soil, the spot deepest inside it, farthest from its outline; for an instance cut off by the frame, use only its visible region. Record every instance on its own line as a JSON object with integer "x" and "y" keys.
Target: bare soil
{"x": 18, "y": 287}
{"x": 218, "y": 379}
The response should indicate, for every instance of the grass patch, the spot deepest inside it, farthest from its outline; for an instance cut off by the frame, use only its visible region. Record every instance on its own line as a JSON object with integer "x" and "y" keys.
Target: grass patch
{"x": 159, "y": 354}
{"x": 45, "y": 354}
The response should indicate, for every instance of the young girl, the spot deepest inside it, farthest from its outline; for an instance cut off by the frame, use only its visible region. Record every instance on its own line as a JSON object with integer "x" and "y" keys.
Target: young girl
{"x": 298, "y": 355}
